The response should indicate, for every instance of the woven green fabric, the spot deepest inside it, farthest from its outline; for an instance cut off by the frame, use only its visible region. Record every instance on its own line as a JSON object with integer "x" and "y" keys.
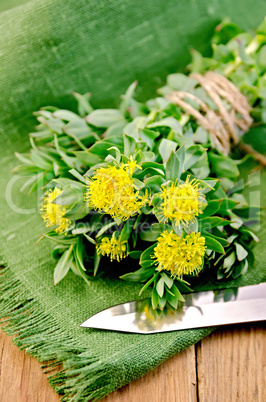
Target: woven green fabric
{"x": 48, "y": 50}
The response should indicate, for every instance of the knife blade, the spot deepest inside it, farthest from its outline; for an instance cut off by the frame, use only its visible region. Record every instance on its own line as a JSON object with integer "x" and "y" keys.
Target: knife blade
{"x": 202, "y": 309}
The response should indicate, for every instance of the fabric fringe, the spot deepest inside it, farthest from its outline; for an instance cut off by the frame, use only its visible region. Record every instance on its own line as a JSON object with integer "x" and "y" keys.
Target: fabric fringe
{"x": 83, "y": 377}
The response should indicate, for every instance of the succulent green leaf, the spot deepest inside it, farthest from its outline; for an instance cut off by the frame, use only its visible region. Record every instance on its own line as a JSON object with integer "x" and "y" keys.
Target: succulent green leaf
{"x": 63, "y": 265}
{"x": 241, "y": 253}
{"x": 173, "y": 168}
{"x": 223, "y": 166}
{"x": 141, "y": 275}
{"x": 165, "y": 149}
{"x": 129, "y": 145}
{"x": 160, "y": 287}
{"x": 104, "y": 117}
{"x": 213, "y": 244}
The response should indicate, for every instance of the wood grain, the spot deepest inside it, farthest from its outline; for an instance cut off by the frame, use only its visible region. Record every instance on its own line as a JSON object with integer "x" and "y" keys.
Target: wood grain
{"x": 229, "y": 365}
{"x": 173, "y": 381}
{"x": 21, "y": 377}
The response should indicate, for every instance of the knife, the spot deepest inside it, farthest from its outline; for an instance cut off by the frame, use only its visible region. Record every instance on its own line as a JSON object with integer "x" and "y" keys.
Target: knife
{"x": 202, "y": 309}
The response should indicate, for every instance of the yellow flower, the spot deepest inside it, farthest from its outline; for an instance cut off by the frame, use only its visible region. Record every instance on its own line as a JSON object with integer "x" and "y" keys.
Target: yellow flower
{"x": 180, "y": 256}
{"x": 181, "y": 203}
{"x": 112, "y": 191}
{"x": 132, "y": 165}
{"x": 53, "y": 214}
{"x": 113, "y": 248}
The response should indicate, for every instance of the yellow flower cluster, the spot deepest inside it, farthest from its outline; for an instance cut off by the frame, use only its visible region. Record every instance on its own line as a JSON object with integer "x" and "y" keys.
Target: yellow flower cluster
{"x": 113, "y": 248}
{"x": 112, "y": 191}
{"x": 180, "y": 256}
{"x": 53, "y": 214}
{"x": 181, "y": 203}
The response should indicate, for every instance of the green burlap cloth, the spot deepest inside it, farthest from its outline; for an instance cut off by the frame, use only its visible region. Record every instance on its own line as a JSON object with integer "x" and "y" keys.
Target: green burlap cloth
{"x": 49, "y": 48}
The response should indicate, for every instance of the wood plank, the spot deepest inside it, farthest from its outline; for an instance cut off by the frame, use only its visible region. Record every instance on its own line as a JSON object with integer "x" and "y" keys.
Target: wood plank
{"x": 231, "y": 365}
{"x": 22, "y": 380}
{"x": 172, "y": 381}
{"x": 21, "y": 377}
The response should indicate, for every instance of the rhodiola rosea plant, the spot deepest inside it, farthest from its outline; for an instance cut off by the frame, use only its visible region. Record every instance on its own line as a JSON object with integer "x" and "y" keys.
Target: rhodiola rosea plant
{"x": 147, "y": 183}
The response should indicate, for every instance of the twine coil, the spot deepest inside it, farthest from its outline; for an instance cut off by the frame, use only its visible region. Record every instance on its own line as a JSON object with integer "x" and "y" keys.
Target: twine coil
{"x": 229, "y": 121}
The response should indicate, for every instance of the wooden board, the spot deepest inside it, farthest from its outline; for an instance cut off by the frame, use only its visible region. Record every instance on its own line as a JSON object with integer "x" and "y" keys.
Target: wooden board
{"x": 229, "y": 365}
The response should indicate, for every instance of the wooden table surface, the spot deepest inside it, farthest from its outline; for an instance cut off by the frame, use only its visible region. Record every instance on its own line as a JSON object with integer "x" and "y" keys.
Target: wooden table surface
{"x": 229, "y": 365}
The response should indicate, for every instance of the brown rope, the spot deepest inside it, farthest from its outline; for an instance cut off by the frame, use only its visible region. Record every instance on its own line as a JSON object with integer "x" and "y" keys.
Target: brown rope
{"x": 229, "y": 121}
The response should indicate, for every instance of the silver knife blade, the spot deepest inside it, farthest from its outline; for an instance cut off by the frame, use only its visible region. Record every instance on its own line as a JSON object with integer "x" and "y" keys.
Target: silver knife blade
{"x": 202, "y": 309}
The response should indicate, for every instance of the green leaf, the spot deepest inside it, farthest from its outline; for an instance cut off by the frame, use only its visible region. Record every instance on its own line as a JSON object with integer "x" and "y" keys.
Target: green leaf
{"x": 127, "y": 97}
{"x": 58, "y": 251}
{"x": 78, "y": 253}
{"x": 180, "y": 153}
{"x": 147, "y": 263}
{"x": 181, "y": 82}
{"x": 105, "y": 228}
{"x": 58, "y": 239}
{"x": 213, "y": 244}
{"x": 240, "y": 269}
{"x": 81, "y": 229}
{"x": 84, "y": 106}
{"x": 148, "y": 136}
{"x": 147, "y": 284}
{"x": 68, "y": 197}
{"x": 135, "y": 254}
{"x": 154, "y": 231}
{"x": 78, "y": 210}
{"x": 201, "y": 168}
{"x": 138, "y": 183}
{"x": 192, "y": 155}
{"x": 241, "y": 253}
{"x": 154, "y": 183}
{"x": 223, "y": 166}
{"x": 63, "y": 265}
{"x": 223, "y": 240}
{"x": 146, "y": 255}
{"x": 129, "y": 145}
{"x": 67, "y": 115}
{"x": 76, "y": 268}
{"x": 183, "y": 286}
{"x": 127, "y": 229}
{"x": 207, "y": 185}
{"x": 171, "y": 297}
{"x": 87, "y": 158}
{"x": 211, "y": 222}
{"x": 104, "y": 117}
{"x": 160, "y": 287}
{"x": 227, "y": 204}
{"x": 173, "y": 168}
{"x": 229, "y": 261}
{"x": 117, "y": 154}
{"x": 78, "y": 176}
{"x": 24, "y": 158}
{"x": 165, "y": 149}
{"x": 154, "y": 299}
{"x": 102, "y": 148}
{"x": 162, "y": 301}
{"x": 177, "y": 293}
{"x": 90, "y": 239}
{"x": 212, "y": 207}
{"x": 170, "y": 122}
{"x": 250, "y": 233}
{"x": 97, "y": 259}
{"x": 167, "y": 280}
{"x": 141, "y": 275}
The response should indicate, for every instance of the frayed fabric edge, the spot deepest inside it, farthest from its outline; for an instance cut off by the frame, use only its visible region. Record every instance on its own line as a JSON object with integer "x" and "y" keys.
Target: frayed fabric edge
{"x": 83, "y": 377}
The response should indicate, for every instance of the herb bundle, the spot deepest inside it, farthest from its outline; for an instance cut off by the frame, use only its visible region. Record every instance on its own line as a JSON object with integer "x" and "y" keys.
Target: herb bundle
{"x": 149, "y": 189}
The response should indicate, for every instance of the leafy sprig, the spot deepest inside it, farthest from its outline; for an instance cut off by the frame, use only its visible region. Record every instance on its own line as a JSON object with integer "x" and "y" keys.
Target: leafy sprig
{"x": 169, "y": 152}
